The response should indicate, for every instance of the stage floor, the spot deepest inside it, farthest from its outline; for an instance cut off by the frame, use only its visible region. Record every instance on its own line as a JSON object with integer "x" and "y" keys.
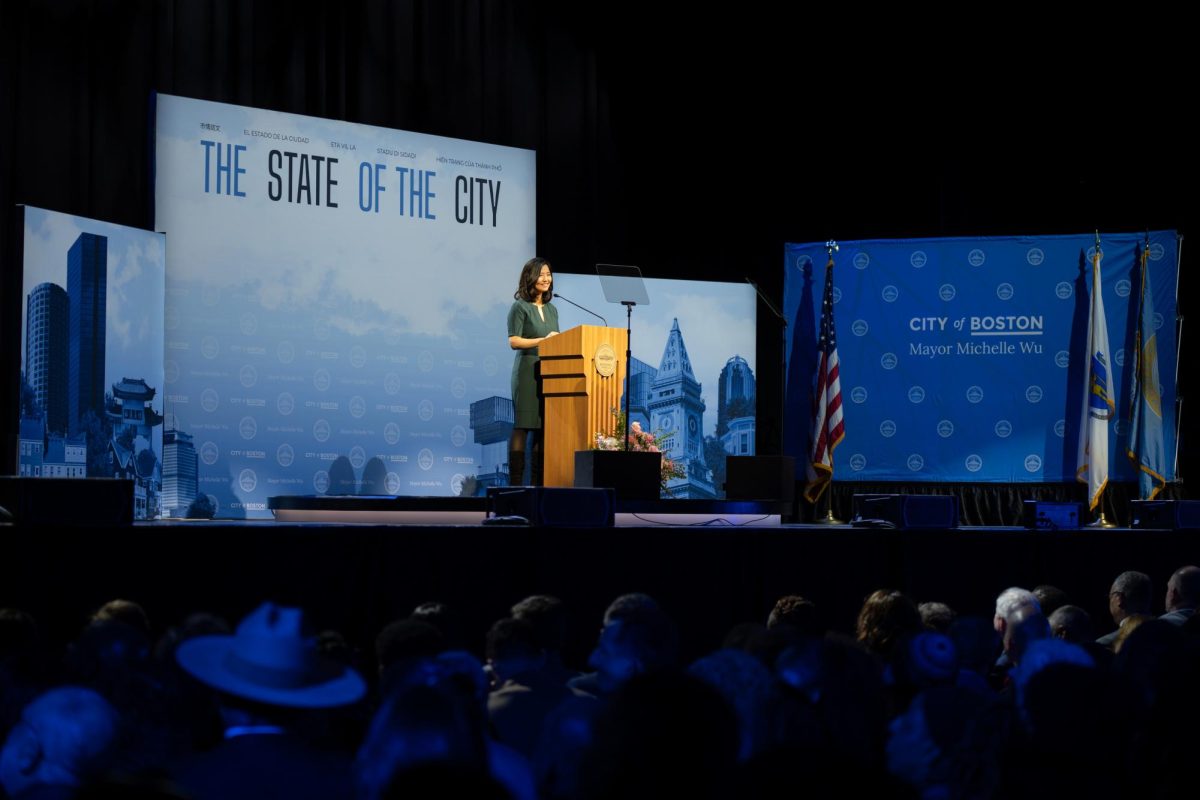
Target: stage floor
{"x": 359, "y": 575}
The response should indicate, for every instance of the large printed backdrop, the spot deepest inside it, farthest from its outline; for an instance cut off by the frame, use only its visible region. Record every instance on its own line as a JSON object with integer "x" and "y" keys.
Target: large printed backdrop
{"x": 92, "y": 354}
{"x": 333, "y": 290}
{"x": 961, "y": 359}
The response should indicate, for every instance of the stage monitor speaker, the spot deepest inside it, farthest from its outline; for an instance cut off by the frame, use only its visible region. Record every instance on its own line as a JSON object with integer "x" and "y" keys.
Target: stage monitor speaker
{"x": 1168, "y": 514}
{"x": 634, "y": 474}
{"x": 928, "y": 511}
{"x": 760, "y": 478}
{"x": 1046, "y": 515}
{"x": 553, "y": 507}
{"x": 67, "y": 501}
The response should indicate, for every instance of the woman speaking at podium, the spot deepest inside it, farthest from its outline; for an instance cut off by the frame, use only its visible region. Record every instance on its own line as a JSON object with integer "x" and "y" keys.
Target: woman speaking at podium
{"x": 531, "y": 320}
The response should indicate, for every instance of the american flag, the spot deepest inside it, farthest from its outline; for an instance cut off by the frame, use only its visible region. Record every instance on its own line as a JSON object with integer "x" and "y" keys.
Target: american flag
{"x": 828, "y": 430}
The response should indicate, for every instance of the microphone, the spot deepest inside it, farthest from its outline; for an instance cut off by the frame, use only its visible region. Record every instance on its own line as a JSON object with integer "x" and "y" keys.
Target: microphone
{"x": 558, "y": 296}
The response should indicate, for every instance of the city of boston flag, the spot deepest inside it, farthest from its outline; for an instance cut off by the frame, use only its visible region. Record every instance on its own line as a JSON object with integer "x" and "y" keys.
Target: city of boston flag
{"x": 1098, "y": 407}
{"x": 1146, "y": 438}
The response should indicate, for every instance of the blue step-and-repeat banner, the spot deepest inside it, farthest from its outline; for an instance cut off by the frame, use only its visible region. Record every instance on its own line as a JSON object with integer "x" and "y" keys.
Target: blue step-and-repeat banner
{"x": 962, "y": 359}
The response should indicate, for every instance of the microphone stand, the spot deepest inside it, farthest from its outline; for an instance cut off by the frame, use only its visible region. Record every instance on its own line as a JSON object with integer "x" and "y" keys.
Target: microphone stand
{"x": 558, "y": 296}
{"x": 629, "y": 304}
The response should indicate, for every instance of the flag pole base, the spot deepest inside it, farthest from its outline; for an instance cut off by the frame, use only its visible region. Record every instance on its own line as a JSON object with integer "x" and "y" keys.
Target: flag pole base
{"x": 828, "y": 519}
{"x": 1101, "y": 522}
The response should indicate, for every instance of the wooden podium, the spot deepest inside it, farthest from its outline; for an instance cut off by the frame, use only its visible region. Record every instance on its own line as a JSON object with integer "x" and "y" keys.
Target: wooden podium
{"x": 582, "y": 377}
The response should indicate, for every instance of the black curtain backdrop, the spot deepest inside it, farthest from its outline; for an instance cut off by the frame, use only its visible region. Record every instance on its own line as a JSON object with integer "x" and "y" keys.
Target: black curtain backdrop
{"x": 691, "y": 143}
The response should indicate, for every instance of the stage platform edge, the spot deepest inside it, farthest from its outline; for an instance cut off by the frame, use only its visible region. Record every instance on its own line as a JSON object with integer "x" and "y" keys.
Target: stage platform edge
{"x": 388, "y": 510}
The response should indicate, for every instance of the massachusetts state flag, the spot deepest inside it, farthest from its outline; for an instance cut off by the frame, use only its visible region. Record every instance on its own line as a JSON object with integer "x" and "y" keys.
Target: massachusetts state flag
{"x": 1098, "y": 406}
{"x": 828, "y": 430}
{"x": 1146, "y": 439}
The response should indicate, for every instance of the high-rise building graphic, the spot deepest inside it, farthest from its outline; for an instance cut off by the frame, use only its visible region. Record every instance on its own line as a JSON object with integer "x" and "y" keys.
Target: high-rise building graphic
{"x": 47, "y": 328}
{"x": 180, "y": 472}
{"x": 676, "y": 408}
{"x": 641, "y": 382}
{"x": 87, "y": 290}
{"x": 492, "y": 424}
{"x": 736, "y": 407}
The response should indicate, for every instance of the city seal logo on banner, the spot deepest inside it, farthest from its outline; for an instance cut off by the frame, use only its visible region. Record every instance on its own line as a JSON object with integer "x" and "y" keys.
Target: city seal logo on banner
{"x": 285, "y": 404}
{"x": 605, "y": 360}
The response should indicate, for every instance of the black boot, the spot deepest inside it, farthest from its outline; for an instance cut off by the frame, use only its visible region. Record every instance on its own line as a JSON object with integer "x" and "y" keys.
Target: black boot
{"x": 535, "y": 468}
{"x": 516, "y": 467}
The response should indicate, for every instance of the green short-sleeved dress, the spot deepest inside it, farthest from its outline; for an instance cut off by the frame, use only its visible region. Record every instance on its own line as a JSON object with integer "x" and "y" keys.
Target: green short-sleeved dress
{"x": 525, "y": 321}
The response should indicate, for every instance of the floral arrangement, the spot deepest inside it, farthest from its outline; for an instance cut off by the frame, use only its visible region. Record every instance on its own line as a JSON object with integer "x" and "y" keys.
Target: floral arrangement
{"x": 642, "y": 441}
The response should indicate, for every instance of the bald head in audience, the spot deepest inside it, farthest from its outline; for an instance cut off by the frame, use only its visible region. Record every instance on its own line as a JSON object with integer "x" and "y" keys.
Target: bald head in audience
{"x": 1071, "y": 624}
{"x": 1183, "y": 592}
{"x": 63, "y": 738}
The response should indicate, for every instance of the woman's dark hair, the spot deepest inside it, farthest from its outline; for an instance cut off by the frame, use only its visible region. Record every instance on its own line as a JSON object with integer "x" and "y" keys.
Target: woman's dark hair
{"x": 887, "y": 617}
{"x": 527, "y": 285}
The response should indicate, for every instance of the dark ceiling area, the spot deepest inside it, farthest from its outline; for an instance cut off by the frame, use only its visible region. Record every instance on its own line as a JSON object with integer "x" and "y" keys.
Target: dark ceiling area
{"x": 693, "y": 145}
